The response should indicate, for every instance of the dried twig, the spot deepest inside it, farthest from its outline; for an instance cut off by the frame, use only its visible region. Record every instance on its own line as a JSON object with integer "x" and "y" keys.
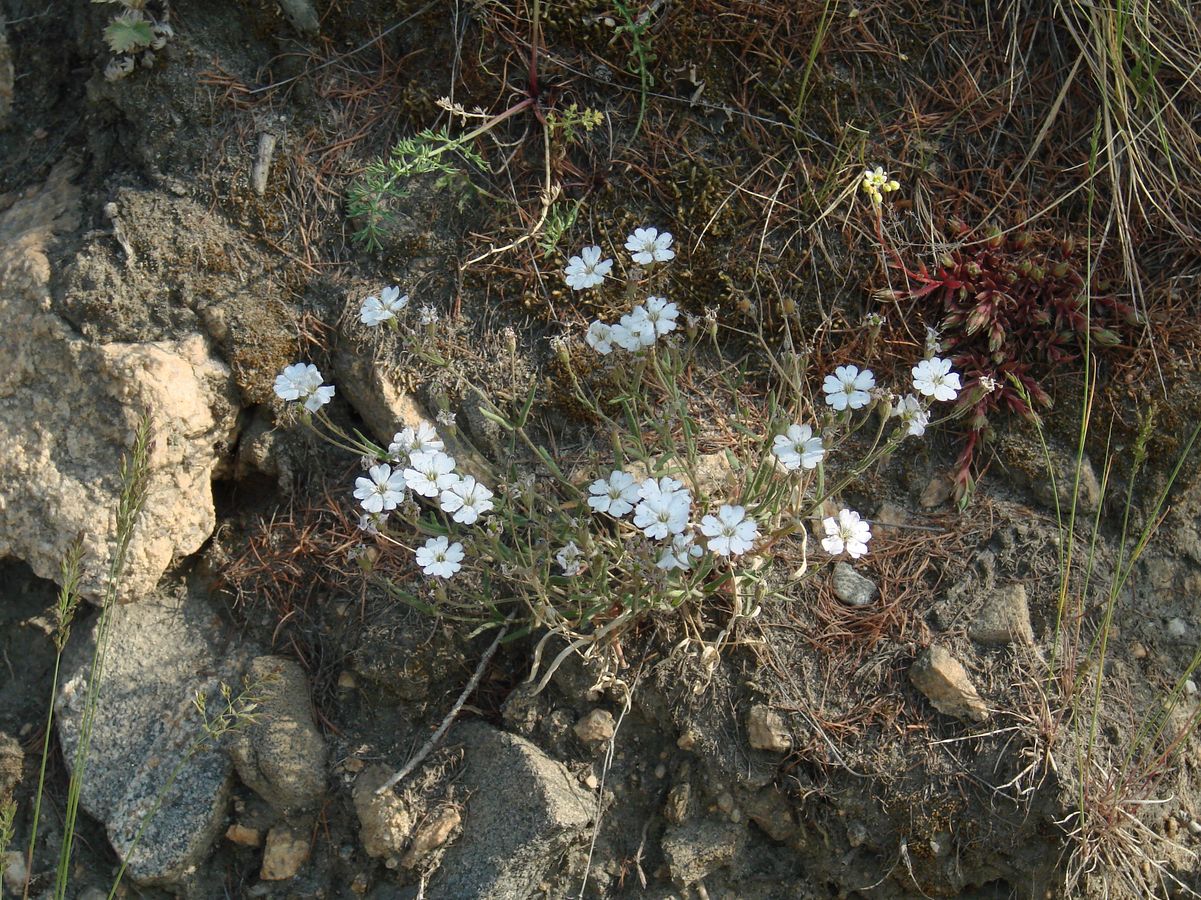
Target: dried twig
{"x": 428, "y": 748}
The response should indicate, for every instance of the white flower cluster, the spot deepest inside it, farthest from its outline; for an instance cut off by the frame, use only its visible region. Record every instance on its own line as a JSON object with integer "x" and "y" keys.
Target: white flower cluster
{"x": 850, "y": 388}
{"x": 662, "y": 508}
{"x": 420, "y": 464}
{"x": 637, "y": 329}
{"x": 876, "y": 184}
{"x": 646, "y": 246}
{"x": 302, "y": 381}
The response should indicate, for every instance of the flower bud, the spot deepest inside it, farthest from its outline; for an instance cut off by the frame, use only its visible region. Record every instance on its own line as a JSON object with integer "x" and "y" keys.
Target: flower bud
{"x": 996, "y": 337}
{"x": 1020, "y": 240}
{"x": 995, "y": 238}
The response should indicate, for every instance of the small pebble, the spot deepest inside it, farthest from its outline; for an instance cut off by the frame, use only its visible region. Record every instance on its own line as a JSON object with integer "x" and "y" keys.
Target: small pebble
{"x": 595, "y": 727}
{"x": 1177, "y": 628}
{"x": 1195, "y": 827}
{"x": 1138, "y": 651}
{"x": 660, "y": 770}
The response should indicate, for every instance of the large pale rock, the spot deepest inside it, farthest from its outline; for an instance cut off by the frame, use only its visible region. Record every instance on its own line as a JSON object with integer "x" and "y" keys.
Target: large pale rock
{"x": 524, "y": 810}
{"x": 161, "y": 652}
{"x": 68, "y": 412}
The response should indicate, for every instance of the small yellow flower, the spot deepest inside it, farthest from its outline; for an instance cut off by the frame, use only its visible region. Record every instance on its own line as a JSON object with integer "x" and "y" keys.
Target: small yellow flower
{"x": 876, "y": 184}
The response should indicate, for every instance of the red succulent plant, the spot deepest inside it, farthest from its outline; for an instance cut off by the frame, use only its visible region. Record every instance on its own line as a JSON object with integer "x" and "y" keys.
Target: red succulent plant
{"x": 1011, "y": 311}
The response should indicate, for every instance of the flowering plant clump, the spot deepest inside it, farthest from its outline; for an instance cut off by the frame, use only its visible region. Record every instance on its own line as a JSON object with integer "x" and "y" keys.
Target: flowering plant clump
{"x": 1010, "y": 313}
{"x": 587, "y": 544}
{"x": 876, "y": 184}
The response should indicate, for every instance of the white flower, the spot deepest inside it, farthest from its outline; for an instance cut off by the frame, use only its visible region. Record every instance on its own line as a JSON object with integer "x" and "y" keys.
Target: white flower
{"x": 635, "y": 331}
{"x": 798, "y": 447}
{"x": 909, "y": 410}
{"x": 664, "y": 508}
{"x": 467, "y": 499}
{"x": 848, "y": 387}
{"x": 661, "y": 314}
{"x": 933, "y": 341}
{"x": 934, "y": 378}
{"x": 384, "y": 307}
{"x": 422, "y": 439}
{"x": 587, "y": 270}
{"x": 848, "y": 532}
{"x": 988, "y": 383}
{"x": 302, "y": 381}
{"x": 382, "y": 489}
{"x": 600, "y": 337}
{"x": 615, "y": 495}
{"x": 877, "y": 183}
{"x": 439, "y": 558}
{"x": 429, "y": 474}
{"x": 372, "y": 522}
{"x": 680, "y": 553}
{"x": 655, "y": 487}
{"x": 647, "y": 246}
{"x": 730, "y": 532}
{"x": 571, "y": 559}
{"x": 427, "y": 315}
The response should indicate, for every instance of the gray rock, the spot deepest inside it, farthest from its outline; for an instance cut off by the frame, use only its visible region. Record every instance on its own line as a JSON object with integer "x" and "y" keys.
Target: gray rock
{"x": 696, "y": 849}
{"x": 1004, "y": 618}
{"x": 13, "y": 864}
{"x": 6, "y": 79}
{"x": 302, "y": 15}
{"x": 282, "y": 755}
{"x": 766, "y": 730}
{"x": 944, "y": 681}
{"x": 161, "y": 652}
{"x": 69, "y": 408}
{"x": 852, "y": 588}
{"x": 524, "y": 810}
{"x": 771, "y": 811}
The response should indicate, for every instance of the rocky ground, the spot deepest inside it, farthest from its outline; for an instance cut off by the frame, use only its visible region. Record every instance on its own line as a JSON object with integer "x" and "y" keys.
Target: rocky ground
{"x": 170, "y": 240}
